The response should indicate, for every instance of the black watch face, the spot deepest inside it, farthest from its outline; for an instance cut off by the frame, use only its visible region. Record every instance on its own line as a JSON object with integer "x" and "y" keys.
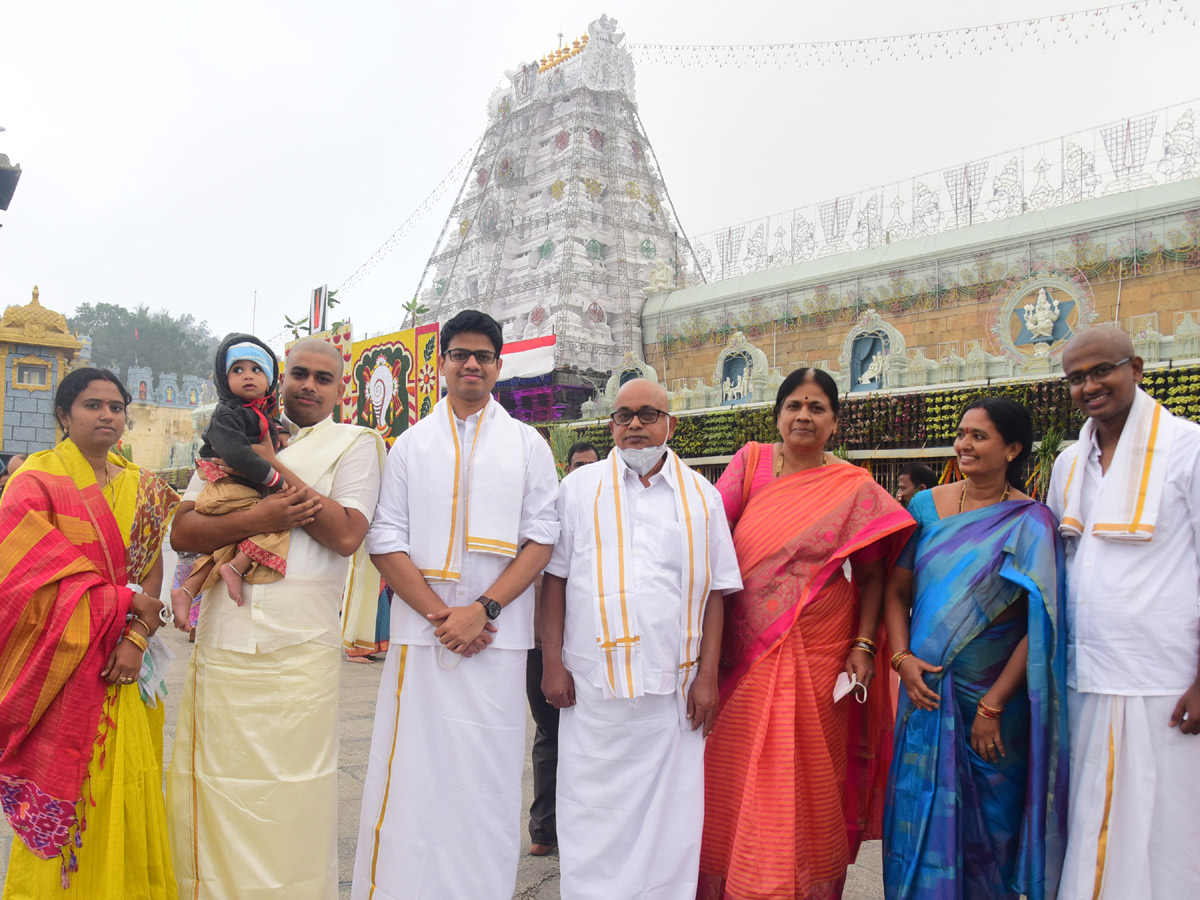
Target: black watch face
{"x": 492, "y": 608}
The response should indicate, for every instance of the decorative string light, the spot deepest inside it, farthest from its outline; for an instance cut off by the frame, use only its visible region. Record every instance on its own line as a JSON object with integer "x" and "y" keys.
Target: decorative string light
{"x": 453, "y": 177}
{"x": 1043, "y": 30}
{"x": 947, "y": 43}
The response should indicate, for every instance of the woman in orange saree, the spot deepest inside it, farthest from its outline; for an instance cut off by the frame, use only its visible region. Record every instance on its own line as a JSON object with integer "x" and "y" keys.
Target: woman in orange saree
{"x": 794, "y": 780}
{"x": 80, "y": 726}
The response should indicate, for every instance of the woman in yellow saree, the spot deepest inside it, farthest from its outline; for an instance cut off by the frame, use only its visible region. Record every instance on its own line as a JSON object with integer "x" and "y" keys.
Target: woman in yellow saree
{"x": 80, "y": 728}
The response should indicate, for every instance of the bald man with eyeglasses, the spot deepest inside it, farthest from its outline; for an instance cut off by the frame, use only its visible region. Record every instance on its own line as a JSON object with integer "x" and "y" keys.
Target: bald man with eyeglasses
{"x": 1125, "y": 495}
{"x": 632, "y": 609}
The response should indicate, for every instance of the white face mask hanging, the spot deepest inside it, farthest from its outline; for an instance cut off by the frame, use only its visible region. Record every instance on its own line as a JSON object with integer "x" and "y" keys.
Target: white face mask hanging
{"x": 849, "y": 684}
{"x": 642, "y": 459}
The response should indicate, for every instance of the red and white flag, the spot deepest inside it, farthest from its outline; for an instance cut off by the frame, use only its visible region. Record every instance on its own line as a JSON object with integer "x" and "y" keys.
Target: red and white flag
{"x": 318, "y": 308}
{"x": 528, "y": 359}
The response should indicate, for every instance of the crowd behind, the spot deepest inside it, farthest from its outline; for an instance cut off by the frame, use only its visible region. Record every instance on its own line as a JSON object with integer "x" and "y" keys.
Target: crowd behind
{"x": 734, "y": 686}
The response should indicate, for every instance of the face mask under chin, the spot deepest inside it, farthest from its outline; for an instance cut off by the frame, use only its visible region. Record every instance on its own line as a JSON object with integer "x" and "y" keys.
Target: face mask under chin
{"x": 642, "y": 459}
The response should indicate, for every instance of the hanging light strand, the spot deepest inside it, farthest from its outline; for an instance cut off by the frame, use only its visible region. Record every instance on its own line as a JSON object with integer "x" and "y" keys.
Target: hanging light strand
{"x": 453, "y": 177}
{"x": 1104, "y": 22}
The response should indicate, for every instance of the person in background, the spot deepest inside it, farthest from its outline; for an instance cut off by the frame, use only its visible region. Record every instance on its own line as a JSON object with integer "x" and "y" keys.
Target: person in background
{"x": 543, "y": 830}
{"x": 365, "y": 651}
{"x": 10, "y": 468}
{"x": 913, "y": 478}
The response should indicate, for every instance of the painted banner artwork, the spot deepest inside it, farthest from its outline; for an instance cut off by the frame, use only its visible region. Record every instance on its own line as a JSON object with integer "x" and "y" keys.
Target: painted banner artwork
{"x": 394, "y": 379}
{"x": 390, "y": 381}
{"x": 382, "y": 377}
{"x": 427, "y": 372}
{"x": 340, "y": 338}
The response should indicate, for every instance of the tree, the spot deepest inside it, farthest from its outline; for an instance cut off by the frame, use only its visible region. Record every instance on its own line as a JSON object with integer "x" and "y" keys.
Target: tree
{"x": 295, "y": 326}
{"x": 414, "y": 308}
{"x": 122, "y": 337}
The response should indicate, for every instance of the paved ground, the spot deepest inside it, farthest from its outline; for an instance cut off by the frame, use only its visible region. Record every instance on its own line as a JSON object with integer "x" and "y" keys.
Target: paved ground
{"x": 537, "y": 879}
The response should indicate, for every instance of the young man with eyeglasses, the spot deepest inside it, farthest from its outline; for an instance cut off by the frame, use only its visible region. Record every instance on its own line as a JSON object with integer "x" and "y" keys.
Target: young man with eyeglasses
{"x": 465, "y": 521}
{"x": 1125, "y": 495}
{"x": 632, "y": 611}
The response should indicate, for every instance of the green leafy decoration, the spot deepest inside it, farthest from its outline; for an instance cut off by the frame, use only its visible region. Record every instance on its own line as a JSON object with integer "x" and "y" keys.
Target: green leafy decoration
{"x": 561, "y": 438}
{"x": 872, "y": 421}
{"x": 414, "y": 308}
{"x": 296, "y": 325}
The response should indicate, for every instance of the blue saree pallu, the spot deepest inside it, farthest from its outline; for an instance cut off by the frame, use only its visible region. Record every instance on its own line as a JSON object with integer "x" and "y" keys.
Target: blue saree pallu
{"x": 957, "y": 827}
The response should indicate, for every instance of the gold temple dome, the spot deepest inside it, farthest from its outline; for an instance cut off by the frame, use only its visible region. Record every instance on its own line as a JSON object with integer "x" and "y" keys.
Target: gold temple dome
{"x": 35, "y": 315}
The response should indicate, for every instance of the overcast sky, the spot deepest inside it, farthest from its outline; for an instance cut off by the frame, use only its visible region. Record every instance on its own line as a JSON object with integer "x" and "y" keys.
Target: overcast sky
{"x": 185, "y": 156}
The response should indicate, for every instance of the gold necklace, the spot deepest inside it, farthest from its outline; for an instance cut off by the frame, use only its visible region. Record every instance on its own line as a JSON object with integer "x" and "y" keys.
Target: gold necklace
{"x": 962, "y": 498}
{"x": 779, "y": 463}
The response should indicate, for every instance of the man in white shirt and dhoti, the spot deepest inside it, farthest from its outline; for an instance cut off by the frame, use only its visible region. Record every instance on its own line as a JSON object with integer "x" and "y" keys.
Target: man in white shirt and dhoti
{"x": 632, "y": 608}
{"x": 465, "y": 522}
{"x": 1126, "y": 496}
{"x": 252, "y": 786}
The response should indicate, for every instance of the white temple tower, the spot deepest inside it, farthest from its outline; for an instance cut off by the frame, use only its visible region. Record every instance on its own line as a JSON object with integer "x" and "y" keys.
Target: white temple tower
{"x": 564, "y": 220}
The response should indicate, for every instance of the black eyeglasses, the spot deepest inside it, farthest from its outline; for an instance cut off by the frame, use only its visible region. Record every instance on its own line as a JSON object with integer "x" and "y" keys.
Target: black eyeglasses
{"x": 647, "y": 415}
{"x": 461, "y": 355}
{"x": 1096, "y": 373}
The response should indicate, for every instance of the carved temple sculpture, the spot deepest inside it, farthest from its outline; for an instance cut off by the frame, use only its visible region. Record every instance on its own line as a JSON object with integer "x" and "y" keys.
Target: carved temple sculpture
{"x": 1041, "y": 316}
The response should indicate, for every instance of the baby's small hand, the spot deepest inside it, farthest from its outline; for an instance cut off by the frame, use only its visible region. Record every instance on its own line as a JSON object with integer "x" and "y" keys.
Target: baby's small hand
{"x": 284, "y": 437}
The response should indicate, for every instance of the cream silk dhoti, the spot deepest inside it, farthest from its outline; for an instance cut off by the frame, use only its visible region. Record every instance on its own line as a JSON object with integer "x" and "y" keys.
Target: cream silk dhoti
{"x": 1133, "y": 828}
{"x": 252, "y": 788}
{"x": 630, "y": 803}
{"x": 441, "y": 810}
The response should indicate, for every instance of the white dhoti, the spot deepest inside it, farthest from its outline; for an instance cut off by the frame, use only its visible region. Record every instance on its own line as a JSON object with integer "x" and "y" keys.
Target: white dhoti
{"x": 252, "y": 787}
{"x": 630, "y": 802}
{"x": 1133, "y": 828}
{"x": 441, "y": 810}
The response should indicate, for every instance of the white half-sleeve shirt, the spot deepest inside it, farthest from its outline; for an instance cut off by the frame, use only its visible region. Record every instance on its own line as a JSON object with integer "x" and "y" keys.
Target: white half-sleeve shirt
{"x": 306, "y": 604}
{"x": 656, "y": 576}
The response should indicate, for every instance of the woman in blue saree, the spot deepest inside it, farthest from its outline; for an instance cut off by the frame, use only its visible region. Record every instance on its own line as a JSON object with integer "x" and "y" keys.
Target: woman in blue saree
{"x": 977, "y": 793}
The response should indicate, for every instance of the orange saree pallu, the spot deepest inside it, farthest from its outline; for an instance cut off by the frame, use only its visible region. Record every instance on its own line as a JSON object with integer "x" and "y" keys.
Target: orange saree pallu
{"x": 62, "y": 608}
{"x": 794, "y": 782}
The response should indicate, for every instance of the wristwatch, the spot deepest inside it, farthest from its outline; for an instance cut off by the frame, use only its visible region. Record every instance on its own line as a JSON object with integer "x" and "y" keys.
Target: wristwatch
{"x": 490, "y": 606}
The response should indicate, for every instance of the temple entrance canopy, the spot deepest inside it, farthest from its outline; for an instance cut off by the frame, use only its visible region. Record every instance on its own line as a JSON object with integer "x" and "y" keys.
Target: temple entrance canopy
{"x": 564, "y": 220}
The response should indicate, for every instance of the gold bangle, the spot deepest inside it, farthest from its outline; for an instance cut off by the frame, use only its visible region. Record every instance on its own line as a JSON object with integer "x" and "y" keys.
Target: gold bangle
{"x": 859, "y": 645}
{"x": 141, "y": 622}
{"x": 988, "y": 712}
{"x": 868, "y": 641}
{"x": 898, "y": 657}
{"x": 136, "y": 639}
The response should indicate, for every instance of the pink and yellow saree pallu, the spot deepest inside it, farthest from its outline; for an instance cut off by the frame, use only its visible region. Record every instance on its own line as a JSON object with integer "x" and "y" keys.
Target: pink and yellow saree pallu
{"x": 794, "y": 782}
{"x": 80, "y": 760}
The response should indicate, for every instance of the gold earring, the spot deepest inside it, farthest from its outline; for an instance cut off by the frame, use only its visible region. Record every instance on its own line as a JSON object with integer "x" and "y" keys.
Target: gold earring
{"x": 1009, "y": 458}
